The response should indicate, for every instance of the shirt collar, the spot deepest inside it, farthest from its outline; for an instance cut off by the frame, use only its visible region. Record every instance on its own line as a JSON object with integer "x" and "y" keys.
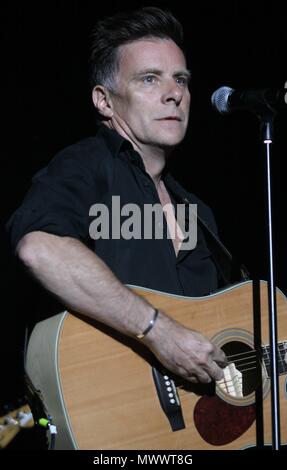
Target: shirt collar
{"x": 118, "y": 144}
{"x": 114, "y": 141}
{"x": 179, "y": 193}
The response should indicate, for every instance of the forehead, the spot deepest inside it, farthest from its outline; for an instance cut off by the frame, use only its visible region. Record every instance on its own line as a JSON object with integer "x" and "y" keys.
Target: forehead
{"x": 150, "y": 53}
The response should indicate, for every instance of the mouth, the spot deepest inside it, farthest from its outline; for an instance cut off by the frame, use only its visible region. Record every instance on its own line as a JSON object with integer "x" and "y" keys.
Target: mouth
{"x": 170, "y": 118}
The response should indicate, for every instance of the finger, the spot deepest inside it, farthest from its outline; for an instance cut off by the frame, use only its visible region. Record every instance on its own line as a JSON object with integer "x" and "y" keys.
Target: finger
{"x": 215, "y": 371}
{"x": 201, "y": 376}
{"x": 220, "y": 358}
{"x": 196, "y": 375}
{"x": 193, "y": 380}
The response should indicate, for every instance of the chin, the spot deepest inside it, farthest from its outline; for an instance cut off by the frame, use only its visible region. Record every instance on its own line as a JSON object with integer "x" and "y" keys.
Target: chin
{"x": 172, "y": 140}
{"x": 169, "y": 146}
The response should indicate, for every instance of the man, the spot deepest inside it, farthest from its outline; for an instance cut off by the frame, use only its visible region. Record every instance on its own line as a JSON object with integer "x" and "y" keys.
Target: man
{"x": 140, "y": 91}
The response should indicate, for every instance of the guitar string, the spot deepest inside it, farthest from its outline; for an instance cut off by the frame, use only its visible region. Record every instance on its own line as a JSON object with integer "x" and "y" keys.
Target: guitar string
{"x": 230, "y": 383}
{"x": 249, "y": 374}
{"x": 281, "y": 361}
{"x": 254, "y": 352}
{"x": 249, "y": 369}
{"x": 266, "y": 363}
{"x": 244, "y": 370}
{"x": 227, "y": 383}
{"x": 243, "y": 365}
{"x": 252, "y": 356}
{"x": 266, "y": 360}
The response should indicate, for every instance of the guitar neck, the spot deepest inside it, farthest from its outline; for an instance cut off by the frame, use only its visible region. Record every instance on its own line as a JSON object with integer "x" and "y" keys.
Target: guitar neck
{"x": 13, "y": 422}
{"x": 7, "y": 433}
{"x": 281, "y": 355}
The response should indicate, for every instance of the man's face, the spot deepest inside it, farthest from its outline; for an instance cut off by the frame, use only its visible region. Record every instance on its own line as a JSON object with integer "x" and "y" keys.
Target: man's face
{"x": 151, "y": 103}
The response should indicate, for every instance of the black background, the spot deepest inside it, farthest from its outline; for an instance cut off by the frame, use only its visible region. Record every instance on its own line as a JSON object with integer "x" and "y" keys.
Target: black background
{"x": 46, "y": 106}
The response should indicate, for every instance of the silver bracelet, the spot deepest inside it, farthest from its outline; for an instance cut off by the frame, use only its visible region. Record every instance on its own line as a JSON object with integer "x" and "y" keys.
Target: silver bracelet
{"x": 150, "y": 325}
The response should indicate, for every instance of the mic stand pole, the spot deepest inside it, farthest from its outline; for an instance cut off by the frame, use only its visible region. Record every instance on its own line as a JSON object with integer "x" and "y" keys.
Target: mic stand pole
{"x": 266, "y": 119}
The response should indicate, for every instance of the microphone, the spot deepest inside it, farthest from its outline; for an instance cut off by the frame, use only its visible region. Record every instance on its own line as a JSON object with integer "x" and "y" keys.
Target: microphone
{"x": 226, "y": 99}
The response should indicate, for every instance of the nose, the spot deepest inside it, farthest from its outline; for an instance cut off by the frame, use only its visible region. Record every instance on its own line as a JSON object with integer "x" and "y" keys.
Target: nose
{"x": 172, "y": 92}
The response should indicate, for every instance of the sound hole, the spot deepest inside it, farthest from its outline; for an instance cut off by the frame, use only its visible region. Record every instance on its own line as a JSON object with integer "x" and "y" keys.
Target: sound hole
{"x": 242, "y": 360}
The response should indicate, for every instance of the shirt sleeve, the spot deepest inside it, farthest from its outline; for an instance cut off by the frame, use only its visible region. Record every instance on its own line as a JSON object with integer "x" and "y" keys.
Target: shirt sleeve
{"x": 60, "y": 197}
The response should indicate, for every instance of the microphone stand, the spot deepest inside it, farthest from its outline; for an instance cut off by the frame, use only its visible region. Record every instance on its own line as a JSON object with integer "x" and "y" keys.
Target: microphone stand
{"x": 266, "y": 118}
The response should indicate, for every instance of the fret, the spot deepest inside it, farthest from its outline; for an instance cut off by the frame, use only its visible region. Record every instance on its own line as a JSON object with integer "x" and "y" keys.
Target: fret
{"x": 281, "y": 357}
{"x": 284, "y": 355}
{"x": 281, "y": 362}
{"x": 266, "y": 359}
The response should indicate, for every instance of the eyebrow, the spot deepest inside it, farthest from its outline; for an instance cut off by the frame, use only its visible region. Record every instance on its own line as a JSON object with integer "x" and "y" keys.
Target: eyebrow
{"x": 178, "y": 73}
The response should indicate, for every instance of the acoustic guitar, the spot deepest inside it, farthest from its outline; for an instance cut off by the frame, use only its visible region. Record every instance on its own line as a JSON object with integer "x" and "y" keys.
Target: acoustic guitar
{"x": 107, "y": 391}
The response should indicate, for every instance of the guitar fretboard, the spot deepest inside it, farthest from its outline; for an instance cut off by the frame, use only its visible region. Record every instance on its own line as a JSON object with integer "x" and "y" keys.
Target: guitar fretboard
{"x": 281, "y": 355}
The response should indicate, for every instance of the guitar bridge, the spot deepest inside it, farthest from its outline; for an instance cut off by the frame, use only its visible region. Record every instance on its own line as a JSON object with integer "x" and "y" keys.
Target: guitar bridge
{"x": 169, "y": 399}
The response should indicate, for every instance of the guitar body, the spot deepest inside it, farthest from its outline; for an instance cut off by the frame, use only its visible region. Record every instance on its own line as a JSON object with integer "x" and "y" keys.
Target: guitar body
{"x": 99, "y": 388}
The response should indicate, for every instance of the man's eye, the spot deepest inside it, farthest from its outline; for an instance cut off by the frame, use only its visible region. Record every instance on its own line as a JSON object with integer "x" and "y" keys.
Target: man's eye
{"x": 149, "y": 79}
{"x": 182, "y": 81}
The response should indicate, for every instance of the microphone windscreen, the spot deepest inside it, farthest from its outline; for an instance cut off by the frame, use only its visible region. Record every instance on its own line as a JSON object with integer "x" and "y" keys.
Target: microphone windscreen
{"x": 219, "y": 99}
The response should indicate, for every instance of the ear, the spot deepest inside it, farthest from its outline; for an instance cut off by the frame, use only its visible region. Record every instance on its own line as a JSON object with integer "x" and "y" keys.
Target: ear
{"x": 102, "y": 101}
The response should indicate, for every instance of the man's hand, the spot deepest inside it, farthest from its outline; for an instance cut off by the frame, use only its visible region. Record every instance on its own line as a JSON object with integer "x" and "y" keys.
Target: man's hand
{"x": 185, "y": 352}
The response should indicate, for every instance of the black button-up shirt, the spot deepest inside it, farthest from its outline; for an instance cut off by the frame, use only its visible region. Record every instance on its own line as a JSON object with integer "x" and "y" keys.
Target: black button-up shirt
{"x": 93, "y": 171}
